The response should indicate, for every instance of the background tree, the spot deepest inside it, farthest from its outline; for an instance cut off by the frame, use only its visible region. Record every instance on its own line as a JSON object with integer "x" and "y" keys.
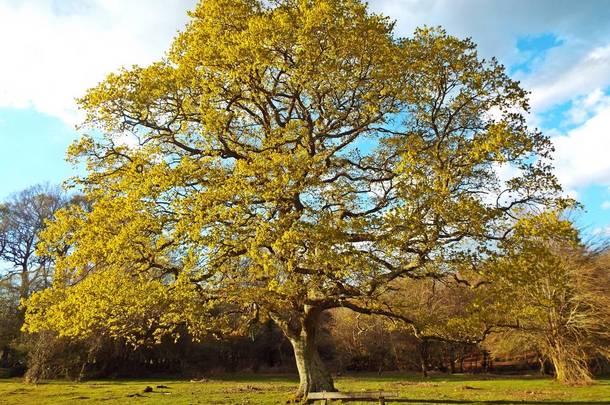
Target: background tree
{"x": 448, "y": 311}
{"x": 292, "y": 157}
{"x": 22, "y": 217}
{"x": 3, "y": 231}
{"x": 22, "y": 270}
{"x": 10, "y": 323}
{"x": 555, "y": 294}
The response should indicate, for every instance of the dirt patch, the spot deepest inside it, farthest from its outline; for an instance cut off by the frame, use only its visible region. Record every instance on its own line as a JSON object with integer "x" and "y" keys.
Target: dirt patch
{"x": 534, "y": 394}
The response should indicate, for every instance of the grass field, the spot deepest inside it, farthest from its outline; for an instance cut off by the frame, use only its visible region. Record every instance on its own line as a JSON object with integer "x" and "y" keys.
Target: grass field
{"x": 260, "y": 389}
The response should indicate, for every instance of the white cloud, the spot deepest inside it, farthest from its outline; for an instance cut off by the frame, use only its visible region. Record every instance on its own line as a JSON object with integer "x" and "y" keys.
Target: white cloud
{"x": 58, "y": 48}
{"x": 53, "y": 50}
{"x": 495, "y": 25}
{"x": 606, "y": 205}
{"x": 566, "y": 75}
{"x": 506, "y": 172}
{"x": 587, "y": 106}
{"x": 580, "y": 64}
{"x": 581, "y": 156}
{"x": 127, "y": 139}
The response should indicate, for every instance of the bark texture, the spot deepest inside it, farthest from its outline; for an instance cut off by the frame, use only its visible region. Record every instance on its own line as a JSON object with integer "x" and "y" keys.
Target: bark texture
{"x": 313, "y": 374}
{"x": 571, "y": 369}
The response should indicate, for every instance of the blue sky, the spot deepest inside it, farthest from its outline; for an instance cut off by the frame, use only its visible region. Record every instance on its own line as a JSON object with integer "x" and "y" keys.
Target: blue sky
{"x": 559, "y": 49}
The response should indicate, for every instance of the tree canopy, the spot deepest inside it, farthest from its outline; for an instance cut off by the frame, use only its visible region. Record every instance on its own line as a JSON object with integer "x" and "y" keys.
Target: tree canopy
{"x": 22, "y": 271}
{"x": 283, "y": 159}
{"x": 554, "y": 295}
{"x": 22, "y": 217}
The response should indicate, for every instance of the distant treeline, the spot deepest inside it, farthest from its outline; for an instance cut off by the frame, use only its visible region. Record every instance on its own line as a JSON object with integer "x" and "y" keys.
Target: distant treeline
{"x": 346, "y": 344}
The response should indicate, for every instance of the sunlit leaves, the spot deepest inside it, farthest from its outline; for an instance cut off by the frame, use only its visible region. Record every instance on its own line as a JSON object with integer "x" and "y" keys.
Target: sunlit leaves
{"x": 290, "y": 154}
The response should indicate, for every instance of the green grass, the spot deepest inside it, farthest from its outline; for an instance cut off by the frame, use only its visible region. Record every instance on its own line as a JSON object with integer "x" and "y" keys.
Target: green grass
{"x": 261, "y": 389}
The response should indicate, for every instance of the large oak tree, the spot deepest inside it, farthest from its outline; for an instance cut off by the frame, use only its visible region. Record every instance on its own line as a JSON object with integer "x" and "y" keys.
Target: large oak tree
{"x": 285, "y": 158}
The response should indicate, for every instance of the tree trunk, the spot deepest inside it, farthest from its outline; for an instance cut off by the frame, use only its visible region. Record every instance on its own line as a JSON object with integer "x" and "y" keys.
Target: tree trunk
{"x": 542, "y": 362}
{"x": 571, "y": 370}
{"x": 452, "y": 359}
{"x": 423, "y": 357}
{"x": 4, "y": 360}
{"x": 570, "y": 364}
{"x": 462, "y": 358}
{"x": 24, "y": 288}
{"x": 313, "y": 374}
{"x": 485, "y": 361}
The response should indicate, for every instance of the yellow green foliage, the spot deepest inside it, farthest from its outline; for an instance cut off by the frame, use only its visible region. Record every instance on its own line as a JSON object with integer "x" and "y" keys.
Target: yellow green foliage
{"x": 285, "y": 157}
{"x": 554, "y": 294}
